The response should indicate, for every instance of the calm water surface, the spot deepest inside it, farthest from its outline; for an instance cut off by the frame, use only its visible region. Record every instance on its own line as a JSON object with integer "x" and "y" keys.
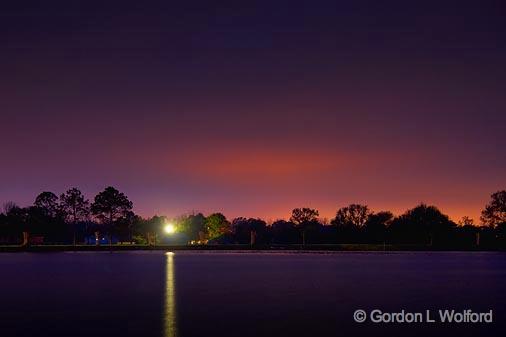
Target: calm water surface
{"x": 243, "y": 294}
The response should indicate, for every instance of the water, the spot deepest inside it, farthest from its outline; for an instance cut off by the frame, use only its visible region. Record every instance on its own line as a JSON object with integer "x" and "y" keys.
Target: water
{"x": 243, "y": 294}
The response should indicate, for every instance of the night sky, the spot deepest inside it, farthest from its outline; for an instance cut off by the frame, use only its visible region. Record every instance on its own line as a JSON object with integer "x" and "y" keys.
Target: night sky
{"x": 253, "y": 109}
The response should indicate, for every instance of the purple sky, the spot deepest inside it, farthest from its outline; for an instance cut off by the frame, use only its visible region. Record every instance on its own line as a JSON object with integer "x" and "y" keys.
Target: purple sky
{"x": 253, "y": 110}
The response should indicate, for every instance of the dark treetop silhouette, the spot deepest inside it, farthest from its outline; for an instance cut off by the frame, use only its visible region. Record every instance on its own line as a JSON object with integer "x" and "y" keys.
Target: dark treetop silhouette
{"x": 110, "y": 219}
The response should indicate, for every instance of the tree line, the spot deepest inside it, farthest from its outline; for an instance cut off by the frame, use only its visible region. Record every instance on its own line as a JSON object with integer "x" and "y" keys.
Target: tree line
{"x": 72, "y": 219}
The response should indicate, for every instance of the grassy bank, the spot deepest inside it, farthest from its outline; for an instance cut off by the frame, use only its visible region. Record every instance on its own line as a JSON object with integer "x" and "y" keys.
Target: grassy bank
{"x": 335, "y": 247}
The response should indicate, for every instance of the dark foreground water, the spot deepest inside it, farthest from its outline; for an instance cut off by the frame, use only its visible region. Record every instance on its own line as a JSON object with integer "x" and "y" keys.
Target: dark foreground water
{"x": 245, "y": 294}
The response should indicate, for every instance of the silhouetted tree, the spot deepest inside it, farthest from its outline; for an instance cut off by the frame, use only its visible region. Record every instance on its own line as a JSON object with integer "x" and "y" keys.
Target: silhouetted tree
{"x": 494, "y": 213}
{"x": 467, "y": 234}
{"x": 47, "y": 202}
{"x": 284, "y": 232}
{"x": 75, "y": 207}
{"x": 301, "y": 215}
{"x": 124, "y": 226}
{"x": 500, "y": 231}
{"x": 193, "y": 226}
{"x": 422, "y": 224}
{"x": 112, "y": 211}
{"x": 145, "y": 231}
{"x": 241, "y": 230}
{"x": 349, "y": 221}
{"x": 154, "y": 227}
{"x": 244, "y": 229}
{"x": 217, "y": 225}
{"x": 46, "y": 218}
{"x": 376, "y": 225}
{"x": 139, "y": 232}
{"x": 16, "y": 226}
{"x": 8, "y": 206}
{"x": 109, "y": 207}
{"x": 466, "y": 221}
{"x": 48, "y": 228}
{"x": 354, "y": 215}
{"x": 3, "y": 229}
{"x": 306, "y": 220}
{"x": 17, "y": 220}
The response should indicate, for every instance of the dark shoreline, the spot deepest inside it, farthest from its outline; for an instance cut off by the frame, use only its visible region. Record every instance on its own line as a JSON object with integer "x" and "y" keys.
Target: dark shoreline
{"x": 274, "y": 248}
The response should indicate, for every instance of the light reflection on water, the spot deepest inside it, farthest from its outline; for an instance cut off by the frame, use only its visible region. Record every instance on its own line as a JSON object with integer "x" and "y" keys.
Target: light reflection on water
{"x": 170, "y": 299}
{"x": 295, "y": 295}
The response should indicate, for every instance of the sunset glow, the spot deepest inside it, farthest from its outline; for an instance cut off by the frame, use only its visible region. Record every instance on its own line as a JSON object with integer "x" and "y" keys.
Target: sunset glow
{"x": 252, "y": 168}
{"x": 258, "y": 120}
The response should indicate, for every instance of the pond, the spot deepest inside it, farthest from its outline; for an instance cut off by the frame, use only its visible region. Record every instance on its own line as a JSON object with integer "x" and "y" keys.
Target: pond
{"x": 166, "y": 294}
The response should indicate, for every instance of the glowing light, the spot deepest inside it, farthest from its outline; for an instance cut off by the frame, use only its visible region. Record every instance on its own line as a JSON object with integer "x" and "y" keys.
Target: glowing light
{"x": 169, "y": 228}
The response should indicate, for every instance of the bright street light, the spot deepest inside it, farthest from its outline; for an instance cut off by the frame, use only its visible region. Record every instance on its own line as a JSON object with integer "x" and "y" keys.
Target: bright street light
{"x": 169, "y": 228}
